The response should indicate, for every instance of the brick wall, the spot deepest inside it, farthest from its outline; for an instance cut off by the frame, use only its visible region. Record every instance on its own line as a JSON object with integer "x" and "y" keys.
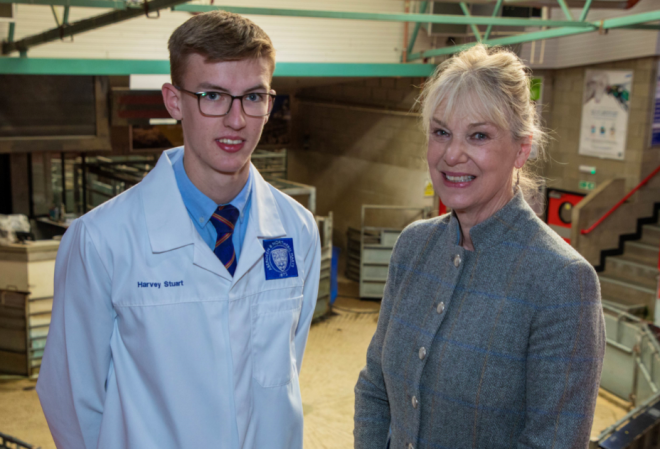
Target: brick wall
{"x": 562, "y": 170}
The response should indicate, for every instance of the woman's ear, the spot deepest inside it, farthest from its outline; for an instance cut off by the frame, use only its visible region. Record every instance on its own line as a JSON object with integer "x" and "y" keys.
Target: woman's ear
{"x": 525, "y": 147}
{"x": 172, "y": 100}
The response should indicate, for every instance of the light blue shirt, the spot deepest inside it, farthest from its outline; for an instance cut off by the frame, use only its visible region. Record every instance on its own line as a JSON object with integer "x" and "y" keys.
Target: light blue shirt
{"x": 200, "y": 208}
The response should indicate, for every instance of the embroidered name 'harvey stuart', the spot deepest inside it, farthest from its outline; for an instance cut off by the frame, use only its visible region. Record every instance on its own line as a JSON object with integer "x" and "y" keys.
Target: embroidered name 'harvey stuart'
{"x": 158, "y": 284}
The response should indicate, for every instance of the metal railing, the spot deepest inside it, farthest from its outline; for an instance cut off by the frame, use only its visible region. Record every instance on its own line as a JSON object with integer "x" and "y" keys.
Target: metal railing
{"x": 623, "y": 200}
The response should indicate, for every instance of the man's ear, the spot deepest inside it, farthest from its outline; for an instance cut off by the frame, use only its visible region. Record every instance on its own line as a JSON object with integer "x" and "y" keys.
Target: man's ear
{"x": 271, "y": 91}
{"x": 172, "y": 100}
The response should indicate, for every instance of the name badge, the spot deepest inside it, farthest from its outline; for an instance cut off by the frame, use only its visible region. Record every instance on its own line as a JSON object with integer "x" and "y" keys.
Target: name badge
{"x": 279, "y": 259}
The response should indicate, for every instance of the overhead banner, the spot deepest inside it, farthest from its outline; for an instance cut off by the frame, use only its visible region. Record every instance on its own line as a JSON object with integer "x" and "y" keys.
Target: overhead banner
{"x": 655, "y": 126}
{"x": 605, "y": 107}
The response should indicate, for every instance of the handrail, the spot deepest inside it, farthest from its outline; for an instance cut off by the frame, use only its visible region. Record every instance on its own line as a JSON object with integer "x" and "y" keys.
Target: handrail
{"x": 623, "y": 200}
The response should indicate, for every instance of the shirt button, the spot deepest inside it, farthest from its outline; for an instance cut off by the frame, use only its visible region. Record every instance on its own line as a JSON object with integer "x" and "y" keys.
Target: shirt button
{"x": 414, "y": 401}
{"x": 201, "y": 219}
{"x": 441, "y": 307}
{"x": 457, "y": 260}
{"x": 422, "y": 353}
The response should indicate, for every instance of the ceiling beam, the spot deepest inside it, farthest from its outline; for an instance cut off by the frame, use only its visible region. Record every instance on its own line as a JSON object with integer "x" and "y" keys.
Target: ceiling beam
{"x": 39, "y": 66}
{"x": 634, "y": 20}
{"x": 84, "y": 25}
{"x": 386, "y": 17}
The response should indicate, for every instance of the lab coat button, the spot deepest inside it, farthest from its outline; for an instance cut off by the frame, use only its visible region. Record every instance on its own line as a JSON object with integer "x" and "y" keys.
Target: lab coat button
{"x": 414, "y": 401}
{"x": 457, "y": 260}
{"x": 441, "y": 307}
{"x": 422, "y": 353}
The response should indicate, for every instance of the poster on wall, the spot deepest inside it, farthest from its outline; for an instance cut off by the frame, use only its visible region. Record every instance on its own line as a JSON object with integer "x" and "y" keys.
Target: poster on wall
{"x": 655, "y": 126}
{"x": 605, "y": 107}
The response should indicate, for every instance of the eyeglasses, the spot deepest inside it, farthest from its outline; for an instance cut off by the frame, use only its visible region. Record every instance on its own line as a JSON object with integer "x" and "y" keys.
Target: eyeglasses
{"x": 217, "y": 104}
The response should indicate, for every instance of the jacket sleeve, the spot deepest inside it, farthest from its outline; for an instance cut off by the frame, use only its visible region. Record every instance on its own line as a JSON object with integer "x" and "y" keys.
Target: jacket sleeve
{"x": 564, "y": 361}
{"x": 76, "y": 360}
{"x": 312, "y": 273}
{"x": 372, "y": 406}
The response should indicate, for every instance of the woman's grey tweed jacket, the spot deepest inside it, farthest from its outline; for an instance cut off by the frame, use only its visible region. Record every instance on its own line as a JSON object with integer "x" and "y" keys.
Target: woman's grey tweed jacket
{"x": 497, "y": 348}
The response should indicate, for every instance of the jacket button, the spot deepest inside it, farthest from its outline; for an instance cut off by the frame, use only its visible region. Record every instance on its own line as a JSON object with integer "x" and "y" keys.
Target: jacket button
{"x": 415, "y": 402}
{"x": 422, "y": 353}
{"x": 441, "y": 307}
{"x": 457, "y": 260}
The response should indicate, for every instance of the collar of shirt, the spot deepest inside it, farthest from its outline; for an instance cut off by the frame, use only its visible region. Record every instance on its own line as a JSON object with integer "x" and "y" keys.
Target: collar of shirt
{"x": 200, "y": 205}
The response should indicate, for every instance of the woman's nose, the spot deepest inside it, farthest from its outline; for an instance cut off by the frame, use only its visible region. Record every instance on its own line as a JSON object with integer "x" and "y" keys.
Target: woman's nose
{"x": 455, "y": 153}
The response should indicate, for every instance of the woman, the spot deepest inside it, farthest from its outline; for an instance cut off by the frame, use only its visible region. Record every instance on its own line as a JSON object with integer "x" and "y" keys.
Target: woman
{"x": 491, "y": 332}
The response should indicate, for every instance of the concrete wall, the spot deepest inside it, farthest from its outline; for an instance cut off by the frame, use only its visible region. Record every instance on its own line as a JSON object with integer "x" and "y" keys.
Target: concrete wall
{"x": 566, "y": 104}
{"x": 360, "y": 144}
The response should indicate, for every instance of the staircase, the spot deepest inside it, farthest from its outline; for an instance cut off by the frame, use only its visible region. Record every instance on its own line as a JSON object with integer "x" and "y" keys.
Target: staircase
{"x": 629, "y": 281}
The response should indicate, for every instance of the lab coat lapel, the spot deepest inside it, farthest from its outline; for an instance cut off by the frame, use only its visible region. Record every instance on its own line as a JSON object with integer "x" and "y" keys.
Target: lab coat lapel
{"x": 168, "y": 223}
{"x": 264, "y": 223}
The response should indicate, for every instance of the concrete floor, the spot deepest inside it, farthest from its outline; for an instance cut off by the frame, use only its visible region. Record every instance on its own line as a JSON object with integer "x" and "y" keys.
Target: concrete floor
{"x": 335, "y": 355}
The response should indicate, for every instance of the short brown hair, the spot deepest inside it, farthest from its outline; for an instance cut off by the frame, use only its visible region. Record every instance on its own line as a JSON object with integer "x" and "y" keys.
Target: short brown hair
{"x": 218, "y": 36}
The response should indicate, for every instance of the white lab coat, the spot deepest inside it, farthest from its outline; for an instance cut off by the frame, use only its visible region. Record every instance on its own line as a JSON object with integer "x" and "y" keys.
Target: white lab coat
{"x": 208, "y": 361}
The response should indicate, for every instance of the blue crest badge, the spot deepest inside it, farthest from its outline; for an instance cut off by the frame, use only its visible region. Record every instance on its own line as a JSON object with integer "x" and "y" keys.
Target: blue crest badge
{"x": 279, "y": 259}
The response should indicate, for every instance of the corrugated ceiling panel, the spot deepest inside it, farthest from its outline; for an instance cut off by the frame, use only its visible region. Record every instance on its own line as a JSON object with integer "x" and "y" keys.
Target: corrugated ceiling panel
{"x": 296, "y": 39}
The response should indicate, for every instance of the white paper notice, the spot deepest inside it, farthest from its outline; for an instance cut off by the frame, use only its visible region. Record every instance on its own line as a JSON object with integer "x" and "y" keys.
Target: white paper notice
{"x": 605, "y": 107}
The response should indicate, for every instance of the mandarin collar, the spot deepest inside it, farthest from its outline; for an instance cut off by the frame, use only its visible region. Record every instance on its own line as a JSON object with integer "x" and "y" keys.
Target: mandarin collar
{"x": 496, "y": 228}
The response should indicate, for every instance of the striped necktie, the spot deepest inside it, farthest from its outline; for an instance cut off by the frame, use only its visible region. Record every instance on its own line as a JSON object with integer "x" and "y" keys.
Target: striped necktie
{"x": 224, "y": 220}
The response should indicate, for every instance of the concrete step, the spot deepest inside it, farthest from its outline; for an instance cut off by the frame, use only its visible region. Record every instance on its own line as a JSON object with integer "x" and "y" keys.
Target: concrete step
{"x": 651, "y": 235}
{"x": 626, "y": 293}
{"x": 641, "y": 252}
{"x": 627, "y": 270}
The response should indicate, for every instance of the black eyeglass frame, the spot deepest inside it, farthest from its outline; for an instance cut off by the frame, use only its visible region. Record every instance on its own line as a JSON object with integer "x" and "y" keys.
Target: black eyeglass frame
{"x": 199, "y": 96}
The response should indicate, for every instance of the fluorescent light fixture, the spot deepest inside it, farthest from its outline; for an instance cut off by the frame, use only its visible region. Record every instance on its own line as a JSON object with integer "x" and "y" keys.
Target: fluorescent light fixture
{"x": 163, "y": 121}
{"x": 148, "y": 82}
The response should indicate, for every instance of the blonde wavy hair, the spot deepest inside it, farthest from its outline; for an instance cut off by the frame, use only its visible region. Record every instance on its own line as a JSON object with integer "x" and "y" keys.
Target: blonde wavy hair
{"x": 491, "y": 83}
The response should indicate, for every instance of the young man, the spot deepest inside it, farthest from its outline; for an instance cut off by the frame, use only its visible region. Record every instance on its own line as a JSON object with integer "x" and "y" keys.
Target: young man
{"x": 182, "y": 307}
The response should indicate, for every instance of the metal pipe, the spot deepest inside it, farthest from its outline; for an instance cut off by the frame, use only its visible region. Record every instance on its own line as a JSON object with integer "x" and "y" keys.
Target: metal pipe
{"x": 83, "y": 167}
{"x": 585, "y": 10}
{"x": 475, "y": 29}
{"x": 564, "y": 7}
{"x": 12, "y": 30}
{"x": 496, "y": 12}
{"x": 413, "y": 38}
{"x": 57, "y": 19}
{"x": 86, "y": 25}
{"x": 404, "y": 56}
{"x": 63, "y": 174}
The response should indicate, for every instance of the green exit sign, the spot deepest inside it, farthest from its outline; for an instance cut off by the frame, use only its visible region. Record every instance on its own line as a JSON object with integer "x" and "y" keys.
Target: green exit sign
{"x": 586, "y": 185}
